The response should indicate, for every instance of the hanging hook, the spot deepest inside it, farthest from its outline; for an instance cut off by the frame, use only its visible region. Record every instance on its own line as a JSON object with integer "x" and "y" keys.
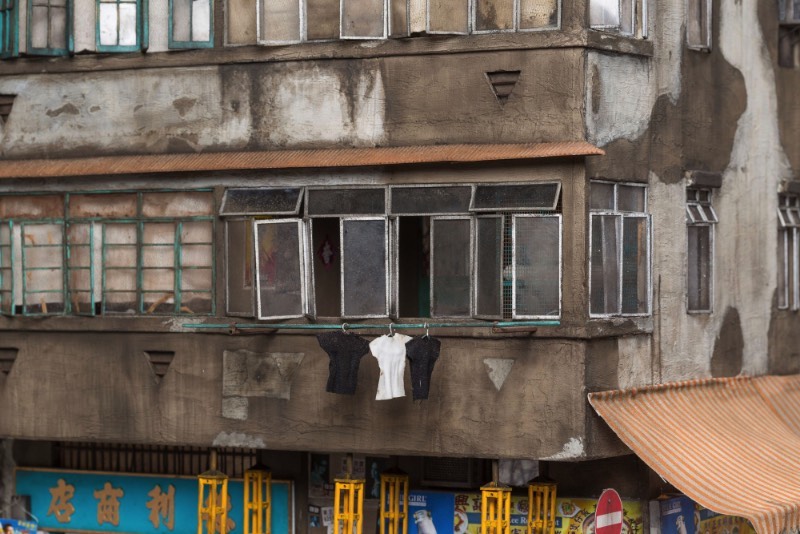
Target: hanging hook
{"x": 427, "y": 333}
{"x": 391, "y": 329}
{"x": 344, "y": 328}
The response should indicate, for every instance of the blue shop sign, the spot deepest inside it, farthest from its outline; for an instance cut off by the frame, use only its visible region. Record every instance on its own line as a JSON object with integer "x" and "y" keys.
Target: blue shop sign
{"x": 81, "y": 501}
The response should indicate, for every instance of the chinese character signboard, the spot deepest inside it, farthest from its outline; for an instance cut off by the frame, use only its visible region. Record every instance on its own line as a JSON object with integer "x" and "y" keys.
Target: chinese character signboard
{"x": 114, "y": 502}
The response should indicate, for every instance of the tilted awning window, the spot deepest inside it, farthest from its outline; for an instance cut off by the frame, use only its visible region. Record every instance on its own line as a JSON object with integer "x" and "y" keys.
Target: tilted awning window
{"x": 721, "y": 442}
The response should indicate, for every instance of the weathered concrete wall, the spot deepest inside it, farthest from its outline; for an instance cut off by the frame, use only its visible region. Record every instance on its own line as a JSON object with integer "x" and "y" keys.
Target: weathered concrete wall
{"x": 102, "y": 388}
{"x": 718, "y": 112}
{"x": 369, "y": 102}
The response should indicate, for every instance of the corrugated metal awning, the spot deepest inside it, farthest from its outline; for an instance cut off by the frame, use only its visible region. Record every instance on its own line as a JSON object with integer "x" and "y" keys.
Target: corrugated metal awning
{"x": 719, "y": 441}
{"x": 291, "y": 159}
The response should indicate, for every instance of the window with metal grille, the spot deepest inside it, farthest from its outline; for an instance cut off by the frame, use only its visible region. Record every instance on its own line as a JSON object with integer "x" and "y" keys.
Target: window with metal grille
{"x": 619, "y": 237}
{"x": 700, "y": 220}
{"x": 191, "y": 24}
{"x": 120, "y": 25}
{"x": 151, "y": 459}
{"x": 93, "y": 253}
{"x": 9, "y": 20}
{"x": 49, "y": 27}
{"x": 789, "y": 252}
{"x": 484, "y": 250}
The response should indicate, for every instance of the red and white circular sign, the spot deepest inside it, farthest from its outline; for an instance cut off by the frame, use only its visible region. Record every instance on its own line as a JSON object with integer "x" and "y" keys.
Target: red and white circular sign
{"x": 608, "y": 517}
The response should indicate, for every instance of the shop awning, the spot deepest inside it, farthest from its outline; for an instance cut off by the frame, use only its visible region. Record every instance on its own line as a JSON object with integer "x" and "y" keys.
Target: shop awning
{"x": 293, "y": 159}
{"x": 721, "y": 442}
{"x": 783, "y": 394}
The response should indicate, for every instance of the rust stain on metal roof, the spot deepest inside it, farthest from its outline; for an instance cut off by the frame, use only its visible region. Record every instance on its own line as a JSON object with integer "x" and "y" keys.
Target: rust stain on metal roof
{"x": 291, "y": 159}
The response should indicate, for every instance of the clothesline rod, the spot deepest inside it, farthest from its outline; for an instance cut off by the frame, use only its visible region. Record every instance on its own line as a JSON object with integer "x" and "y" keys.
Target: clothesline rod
{"x": 358, "y": 326}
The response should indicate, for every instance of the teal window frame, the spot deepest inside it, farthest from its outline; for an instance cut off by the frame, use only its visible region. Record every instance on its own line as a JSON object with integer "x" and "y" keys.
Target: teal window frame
{"x": 14, "y": 271}
{"x": 192, "y": 43}
{"x": 69, "y": 44}
{"x": 9, "y": 28}
{"x": 142, "y": 28}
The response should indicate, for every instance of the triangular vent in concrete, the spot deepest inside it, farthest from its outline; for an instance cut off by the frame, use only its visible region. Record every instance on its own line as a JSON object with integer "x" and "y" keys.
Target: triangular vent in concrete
{"x": 159, "y": 361}
{"x": 502, "y": 83}
{"x": 7, "y": 358}
{"x": 6, "y": 103}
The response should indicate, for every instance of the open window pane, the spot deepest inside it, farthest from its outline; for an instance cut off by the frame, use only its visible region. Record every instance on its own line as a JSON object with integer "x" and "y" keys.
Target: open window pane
{"x": 108, "y": 24}
{"x": 635, "y": 265}
{"x": 279, "y": 269}
{"x": 326, "y": 259}
{"x": 239, "y": 265}
{"x": 38, "y": 26}
{"x": 430, "y": 200}
{"x": 280, "y": 21}
{"x": 398, "y": 20}
{"x": 543, "y": 196}
{"x": 697, "y": 24}
{"x": 604, "y": 265}
{"x": 413, "y": 267}
{"x": 181, "y": 20}
{"x": 537, "y": 264}
{"x": 201, "y": 21}
{"x": 699, "y": 273}
{"x": 363, "y": 18}
{"x": 452, "y": 268}
{"x": 494, "y": 15}
{"x": 272, "y": 201}
{"x": 345, "y": 202}
{"x": 536, "y": 14}
{"x": 784, "y": 236}
{"x": 364, "y": 273}
{"x": 489, "y": 258}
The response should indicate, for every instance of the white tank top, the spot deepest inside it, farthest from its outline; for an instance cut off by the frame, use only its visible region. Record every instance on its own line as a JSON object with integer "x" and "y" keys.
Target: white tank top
{"x": 391, "y": 355}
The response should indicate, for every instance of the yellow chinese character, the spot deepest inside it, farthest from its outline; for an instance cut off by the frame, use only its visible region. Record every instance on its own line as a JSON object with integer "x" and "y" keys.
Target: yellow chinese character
{"x": 108, "y": 504}
{"x": 59, "y": 504}
{"x": 162, "y": 504}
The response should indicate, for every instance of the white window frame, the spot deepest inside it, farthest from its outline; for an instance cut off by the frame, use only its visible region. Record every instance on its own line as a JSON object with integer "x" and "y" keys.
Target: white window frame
{"x": 301, "y": 259}
{"x": 471, "y": 254}
{"x": 637, "y": 30}
{"x": 789, "y": 231}
{"x": 620, "y": 216}
{"x": 707, "y": 219}
{"x": 386, "y": 266}
{"x": 694, "y": 22}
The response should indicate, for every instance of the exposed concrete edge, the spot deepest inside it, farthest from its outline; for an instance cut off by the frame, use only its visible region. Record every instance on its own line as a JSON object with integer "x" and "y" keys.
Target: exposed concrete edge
{"x": 291, "y": 159}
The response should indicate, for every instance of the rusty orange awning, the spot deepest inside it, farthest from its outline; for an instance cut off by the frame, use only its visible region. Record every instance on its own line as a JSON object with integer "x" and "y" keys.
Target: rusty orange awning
{"x": 724, "y": 442}
{"x": 291, "y": 159}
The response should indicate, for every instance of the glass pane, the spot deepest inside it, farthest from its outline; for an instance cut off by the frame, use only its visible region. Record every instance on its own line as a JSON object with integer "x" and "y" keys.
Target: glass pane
{"x": 783, "y": 268}
{"x": 158, "y": 256}
{"x": 534, "y": 14}
{"x": 196, "y": 279}
{"x": 635, "y": 263}
{"x": 38, "y": 27}
{"x": 489, "y": 299}
{"x": 240, "y": 20}
{"x": 792, "y": 255}
{"x": 160, "y": 302}
{"x": 626, "y": 16}
{"x": 196, "y": 256}
{"x": 158, "y": 280}
{"x": 601, "y": 196}
{"x": 694, "y": 213}
{"x": 127, "y": 24}
{"x": 122, "y": 302}
{"x": 196, "y": 232}
{"x": 120, "y": 256}
{"x": 399, "y": 18}
{"x": 279, "y": 269}
{"x": 108, "y": 206}
{"x": 494, "y": 15}
{"x": 448, "y": 16}
{"x": 280, "y": 21}
{"x": 604, "y": 13}
{"x": 58, "y": 28}
{"x": 120, "y": 233}
{"x": 180, "y": 20}
{"x": 80, "y": 280}
{"x": 430, "y": 200}
{"x": 452, "y": 268}
{"x": 699, "y": 275}
{"x": 192, "y": 303}
{"x": 179, "y": 204}
{"x": 284, "y": 201}
{"x": 346, "y": 202}
{"x": 33, "y": 207}
{"x": 364, "y": 254}
{"x": 120, "y": 280}
{"x": 322, "y": 19}
{"x": 526, "y": 196}
{"x": 604, "y": 265}
{"x": 362, "y": 18}
{"x": 630, "y": 198}
{"x": 239, "y": 267}
{"x": 201, "y": 20}
{"x": 108, "y": 24}
{"x": 537, "y": 253}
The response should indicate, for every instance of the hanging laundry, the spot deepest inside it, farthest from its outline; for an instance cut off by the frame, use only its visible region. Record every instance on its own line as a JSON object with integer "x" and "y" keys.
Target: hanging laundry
{"x": 390, "y": 351}
{"x": 423, "y": 353}
{"x": 345, "y": 352}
